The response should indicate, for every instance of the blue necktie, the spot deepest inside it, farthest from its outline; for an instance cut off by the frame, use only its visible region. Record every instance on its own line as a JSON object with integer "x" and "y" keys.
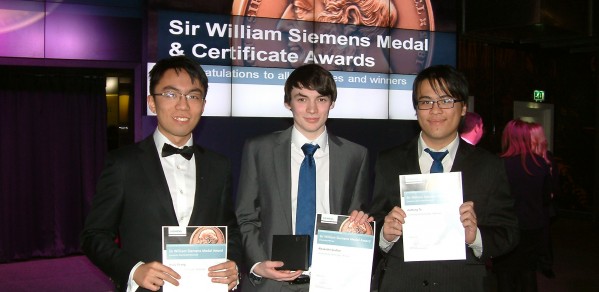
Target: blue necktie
{"x": 306, "y": 194}
{"x": 437, "y": 166}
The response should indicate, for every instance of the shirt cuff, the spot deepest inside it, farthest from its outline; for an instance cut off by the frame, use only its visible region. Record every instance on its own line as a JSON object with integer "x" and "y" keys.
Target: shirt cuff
{"x": 477, "y": 245}
{"x": 131, "y": 285}
{"x": 255, "y": 278}
{"x": 252, "y": 269}
{"x": 386, "y": 245}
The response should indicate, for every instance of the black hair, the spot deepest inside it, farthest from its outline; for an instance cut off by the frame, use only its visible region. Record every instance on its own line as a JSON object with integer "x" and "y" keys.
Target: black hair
{"x": 443, "y": 79}
{"x": 191, "y": 66}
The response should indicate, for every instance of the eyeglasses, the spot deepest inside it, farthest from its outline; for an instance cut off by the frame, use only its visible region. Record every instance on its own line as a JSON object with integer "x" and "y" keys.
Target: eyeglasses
{"x": 443, "y": 103}
{"x": 175, "y": 96}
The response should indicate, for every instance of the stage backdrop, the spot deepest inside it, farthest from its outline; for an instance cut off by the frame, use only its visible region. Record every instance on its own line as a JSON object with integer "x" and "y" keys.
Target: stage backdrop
{"x": 374, "y": 49}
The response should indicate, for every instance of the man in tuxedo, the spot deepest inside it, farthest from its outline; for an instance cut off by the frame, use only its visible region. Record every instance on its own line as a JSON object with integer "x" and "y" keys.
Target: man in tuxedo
{"x": 440, "y": 96}
{"x": 267, "y": 200}
{"x": 164, "y": 180}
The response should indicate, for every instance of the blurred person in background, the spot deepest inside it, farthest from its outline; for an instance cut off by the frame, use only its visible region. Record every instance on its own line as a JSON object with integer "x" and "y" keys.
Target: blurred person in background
{"x": 539, "y": 147}
{"x": 530, "y": 186}
{"x": 472, "y": 128}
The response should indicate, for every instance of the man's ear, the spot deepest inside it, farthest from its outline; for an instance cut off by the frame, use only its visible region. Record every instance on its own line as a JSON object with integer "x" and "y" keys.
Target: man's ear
{"x": 332, "y": 105}
{"x": 151, "y": 103}
{"x": 288, "y": 106}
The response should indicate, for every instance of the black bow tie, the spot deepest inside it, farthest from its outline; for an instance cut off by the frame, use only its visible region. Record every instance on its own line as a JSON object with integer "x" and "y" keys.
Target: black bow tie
{"x": 168, "y": 150}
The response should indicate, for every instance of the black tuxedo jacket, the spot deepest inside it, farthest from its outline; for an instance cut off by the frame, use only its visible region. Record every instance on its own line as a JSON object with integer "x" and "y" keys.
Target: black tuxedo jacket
{"x": 484, "y": 182}
{"x": 133, "y": 202}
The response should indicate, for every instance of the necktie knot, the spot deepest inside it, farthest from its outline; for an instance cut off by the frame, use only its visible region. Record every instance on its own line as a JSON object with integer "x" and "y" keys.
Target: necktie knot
{"x": 168, "y": 149}
{"x": 437, "y": 166}
{"x": 309, "y": 149}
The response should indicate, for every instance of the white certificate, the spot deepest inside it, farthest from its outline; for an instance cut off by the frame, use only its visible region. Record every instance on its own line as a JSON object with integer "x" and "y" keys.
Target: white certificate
{"x": 342, "y": 254}
{"x": 432, "y": 229}
{"x": 190, "y": 251}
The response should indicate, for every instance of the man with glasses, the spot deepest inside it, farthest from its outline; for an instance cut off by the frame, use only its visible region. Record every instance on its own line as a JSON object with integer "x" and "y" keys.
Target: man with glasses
{"x": 164, "y": 180}
{"x": 440, "y": 97}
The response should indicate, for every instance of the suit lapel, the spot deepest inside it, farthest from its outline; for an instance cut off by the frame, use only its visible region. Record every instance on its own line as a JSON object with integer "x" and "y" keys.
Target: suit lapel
{"x": 406, "y": 163}
{"x": 281, "y": 154}
{"x": 202, "y": 172}
{"x": 336, "y": 174}
{"x": 153, "y": 171}
{"x": 461, "y": 156}
{"x": 412, "y": 159}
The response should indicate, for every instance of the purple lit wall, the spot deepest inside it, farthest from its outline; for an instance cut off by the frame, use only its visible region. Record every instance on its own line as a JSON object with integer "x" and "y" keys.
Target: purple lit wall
{"x": 69, "y": 31}
{"x": 22, "y": 29}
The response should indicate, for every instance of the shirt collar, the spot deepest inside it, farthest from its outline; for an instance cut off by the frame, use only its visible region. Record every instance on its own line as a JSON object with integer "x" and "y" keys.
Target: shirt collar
{"x": 452, "y": 146}
{"x": 298, "y": 139}
{"x": 160, "y": 139}
{"x": 467, "y": 140}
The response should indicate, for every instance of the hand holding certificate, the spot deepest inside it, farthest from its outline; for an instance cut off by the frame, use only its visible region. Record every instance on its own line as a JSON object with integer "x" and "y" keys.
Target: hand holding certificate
{"x": 432, "y": 229}
{"x": 343, "y": 253}
{"x": 191, "y": 251}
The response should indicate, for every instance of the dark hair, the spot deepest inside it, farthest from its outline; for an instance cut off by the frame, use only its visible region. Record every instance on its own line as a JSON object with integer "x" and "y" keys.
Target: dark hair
{"x": 191, "y": 66}
{"x": 470, "y": 121}
{"x": 443, "y": 79}
{"x": 314, "y": 77}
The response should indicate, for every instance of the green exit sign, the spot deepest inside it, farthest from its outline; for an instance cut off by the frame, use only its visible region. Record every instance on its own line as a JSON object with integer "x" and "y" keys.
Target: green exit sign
{"x": 539, "y": 95}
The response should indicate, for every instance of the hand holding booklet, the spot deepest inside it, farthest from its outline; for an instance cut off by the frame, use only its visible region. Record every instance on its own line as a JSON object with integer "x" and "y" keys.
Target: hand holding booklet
{"x": 342, "y": 254}
{"x": 432, "y": 230}
{"x": 292, "y": 250}
{"x": 190, "y": 251}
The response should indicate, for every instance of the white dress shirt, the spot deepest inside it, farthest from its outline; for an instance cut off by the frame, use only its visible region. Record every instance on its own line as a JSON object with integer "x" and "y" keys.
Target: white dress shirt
{"x": 180, "y": 176}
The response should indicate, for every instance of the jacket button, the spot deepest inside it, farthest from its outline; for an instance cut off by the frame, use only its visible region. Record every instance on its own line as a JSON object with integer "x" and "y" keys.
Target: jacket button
{"x": 424, "y": 283}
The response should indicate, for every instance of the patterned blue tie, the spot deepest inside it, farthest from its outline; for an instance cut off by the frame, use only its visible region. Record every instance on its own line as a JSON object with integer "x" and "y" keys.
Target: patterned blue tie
{"x": 306, "y": 194}
{"x": 437, "y": 166}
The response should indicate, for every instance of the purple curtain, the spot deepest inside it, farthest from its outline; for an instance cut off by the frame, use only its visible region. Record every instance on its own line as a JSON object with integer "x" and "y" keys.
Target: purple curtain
{"x": 52, "y": 147}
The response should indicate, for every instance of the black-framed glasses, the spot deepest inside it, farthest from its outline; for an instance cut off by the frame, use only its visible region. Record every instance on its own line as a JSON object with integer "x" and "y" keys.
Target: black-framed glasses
{"x": 443, "y": 103}
{"x": 171, "y": 95}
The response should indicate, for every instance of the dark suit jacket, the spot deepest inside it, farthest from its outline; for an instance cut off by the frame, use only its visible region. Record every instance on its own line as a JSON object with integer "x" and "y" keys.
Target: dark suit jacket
{"x": 132, "y": 201}
{"x": 484, "y": 182}
{"x": 264, "y": 196}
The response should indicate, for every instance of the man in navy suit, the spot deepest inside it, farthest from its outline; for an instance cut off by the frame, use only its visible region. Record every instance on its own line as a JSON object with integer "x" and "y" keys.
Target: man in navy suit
{"x": 440, "y": 97}
{"x": 270, "y": 167}
{"x": 164, "y": 180}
